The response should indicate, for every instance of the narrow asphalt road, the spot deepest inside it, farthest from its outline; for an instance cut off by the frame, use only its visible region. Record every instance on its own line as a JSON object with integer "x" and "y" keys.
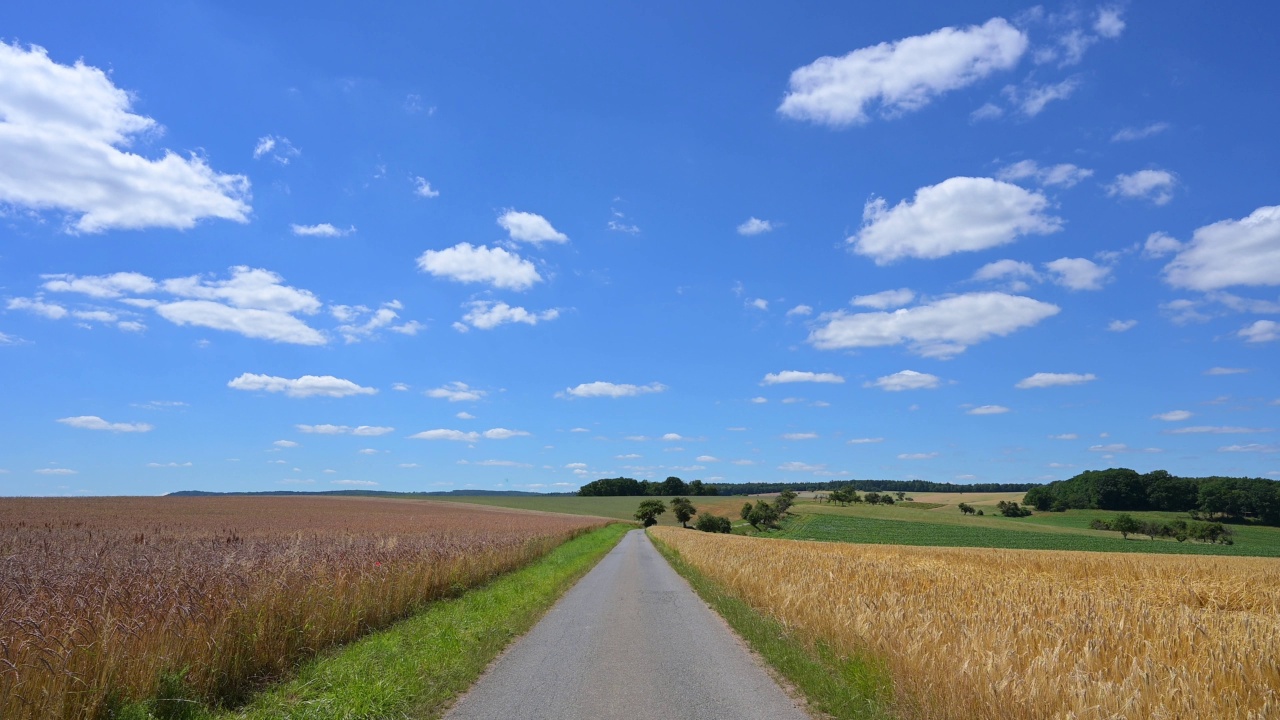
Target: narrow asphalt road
{"x": 630, "y": 640}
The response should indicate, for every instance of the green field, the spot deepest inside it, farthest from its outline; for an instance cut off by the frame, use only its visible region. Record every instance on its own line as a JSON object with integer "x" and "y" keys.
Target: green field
{"x": 620, "y": 508}
{"x": 1042, "y": 531}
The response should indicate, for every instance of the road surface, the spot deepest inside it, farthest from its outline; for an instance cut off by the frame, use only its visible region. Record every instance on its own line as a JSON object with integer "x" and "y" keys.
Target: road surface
{"x": 630, "y": 640}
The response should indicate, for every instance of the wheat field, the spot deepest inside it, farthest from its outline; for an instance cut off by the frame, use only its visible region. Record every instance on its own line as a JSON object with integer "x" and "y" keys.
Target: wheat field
{"x": 100, "y": 598}
{"x": 1021, "y": 634}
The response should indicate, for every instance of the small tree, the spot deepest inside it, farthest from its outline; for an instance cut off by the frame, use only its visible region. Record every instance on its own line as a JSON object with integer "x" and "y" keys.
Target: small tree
{"x": 683, "y": 509}
{"x": 785, "y": 499}
{"x": 649, "y": 511}
{"x": 745, "y": 513}
{"x": 1124, "y": 523}
{"x": 713, "y": 523}
{"x": 872, "y": 498}
{"x": 900, "y": 495}
{"x": 763, "y": 514}
{"x": 1012, "y": 509}
{"x": 966, "y": 508}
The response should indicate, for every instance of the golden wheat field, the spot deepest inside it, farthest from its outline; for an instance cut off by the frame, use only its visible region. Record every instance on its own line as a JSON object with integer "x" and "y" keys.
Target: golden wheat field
{"x": 99, "y": 597}
{"x": 1019, "y": 634}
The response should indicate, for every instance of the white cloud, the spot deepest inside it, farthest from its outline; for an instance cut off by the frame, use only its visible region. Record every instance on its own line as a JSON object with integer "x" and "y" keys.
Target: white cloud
{"x": 303, "y": 387}
{"x": 755, "y": 226}
{"x": 800, "y": 467}
{"x": 259, "y": 324}
{"x": 1230, "y": 252}
{"x": 1065, "y": 436}
{"x": 800, "y": 436}
{"x": 942, "y": 328}
{"x": 905, "y": 380}
{"x": 673, "y": 437}
{"x": 320, "y": 230}
{"x": 56, "y": 471}
{"x": 100, "y": 286}
{"x": 168, "y": 465}
{"x": 503, "y": 433}
{"x": 989, "y": 111}
{"x": 367, "y": 451}
{"x": 464, "y": 415}
{"x": 1109, "y": 24}
{"x": 285, "y": 444}
{"x": 611, "y": 390}
{"x": 530, "y": 227}
{"x": 1064, "y": 175}
{"x": 357, "y": 483}
{"x": 706, "y": 459}
{"x": 278, "y": 147}
{"x": 360, "y": 430}
{"x": 797, "y": 376}
{"x": 1154, "y": 185}
{"x": 1130, "y": 134}
{"x": 1032, "y": 99}
{"x": 759, "y": 400}
{"x": 37, "y": 305}
{"x": 758, "y": 304}
{"x": 865, "y": 440}
{"x": 456, "y": 392}
{"x": 444, "y": 434}
{"x": 1121, "y": 448}
{"x": 1251, "y": 448}
{"x": 1159, "y": 244}
{"x": 1046, "y": 379}
{"x": 960, "y": 214}
{"x": 62, "y": 134}
{"x": 800, "y": 311}
{"x": 901, "y": 76}
{"x": 1172, "y": 416}
{"x": 422, "y": 188}
{"x": 400, "y": 387}
{"x": 480, "y": 264}
{"x": 1225, "y": 371}
{"x": 1120, "y": 326}
{"x": 252, "y": 302}
{"x": 885, "y": 299}
{"x": 917, "y": 456}
{"x": 1215, "y": 430}
{"x": 1261, "y": 331}
{"x": 93, "y": 422}
{"x": 988, "y": 410}
{"x": 1001, "y": 269}
{"x": 622, "y": 227}
{"x": 360, "y": 323}
{"x": 1078, "y": 273}
{"x": 487, "y": 314}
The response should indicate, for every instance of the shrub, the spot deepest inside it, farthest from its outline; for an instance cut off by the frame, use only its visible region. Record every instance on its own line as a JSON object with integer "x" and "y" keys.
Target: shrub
{"x": 713, "y": 523}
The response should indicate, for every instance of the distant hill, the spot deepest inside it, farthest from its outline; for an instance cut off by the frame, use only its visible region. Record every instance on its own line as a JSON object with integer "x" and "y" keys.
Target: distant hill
{"x": 370, "y": 493}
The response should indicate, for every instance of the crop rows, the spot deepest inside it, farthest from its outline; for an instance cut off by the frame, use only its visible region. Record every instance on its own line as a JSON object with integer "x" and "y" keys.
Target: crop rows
{"x": 102, "y": 598}
{"x": 1018, "y": 634}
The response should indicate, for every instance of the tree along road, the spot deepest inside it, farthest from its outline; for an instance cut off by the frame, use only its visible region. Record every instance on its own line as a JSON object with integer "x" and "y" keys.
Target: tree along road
{"x": 631, "y": 639}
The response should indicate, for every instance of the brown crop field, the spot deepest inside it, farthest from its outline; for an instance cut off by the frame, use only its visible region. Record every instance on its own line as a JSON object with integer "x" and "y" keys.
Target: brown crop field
{"x": 100, "y": 598}
{"x": 1019, "y": 634}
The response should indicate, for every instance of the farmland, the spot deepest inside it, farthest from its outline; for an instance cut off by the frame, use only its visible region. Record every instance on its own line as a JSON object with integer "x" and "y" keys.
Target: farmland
{"x": 1022, "y": 634}
{"x": 103, "y": 601}
{"x": 621, "y": 508}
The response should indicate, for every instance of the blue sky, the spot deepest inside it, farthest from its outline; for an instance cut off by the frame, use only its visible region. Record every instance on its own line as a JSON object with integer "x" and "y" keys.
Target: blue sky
{"x": 507, "y": 246}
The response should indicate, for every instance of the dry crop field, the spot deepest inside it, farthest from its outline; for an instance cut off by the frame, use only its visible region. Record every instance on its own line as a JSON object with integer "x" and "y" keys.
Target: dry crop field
{"x": 101, "y": 597}
{"x": 1018, "y": 634}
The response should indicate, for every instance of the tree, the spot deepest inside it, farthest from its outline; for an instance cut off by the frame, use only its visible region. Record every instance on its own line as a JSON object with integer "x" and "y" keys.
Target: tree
{"x": 1124, "y": 523}
{"x": 785, "y": 499}
{"x": 763, "y": 514}
{"x": 966, "y": 508}
{"x": 713, "y": 523}
{"x": 745, "y": 513}
{"x": 649, "y": 511}
{"x": 872, "y": 498}
{"x": 683, "y": 509}
{"x": 900, "y": 495}
{"x": 672, "y": 486}
{"x": 1012, "y": 509}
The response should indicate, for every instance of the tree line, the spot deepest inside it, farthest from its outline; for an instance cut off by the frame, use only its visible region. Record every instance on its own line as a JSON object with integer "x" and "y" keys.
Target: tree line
{"x": 624, "y": 486}
{"x": 1211, "y": 498}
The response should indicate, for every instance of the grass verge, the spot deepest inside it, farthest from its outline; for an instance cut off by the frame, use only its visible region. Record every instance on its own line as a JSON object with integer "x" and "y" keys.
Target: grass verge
{"x": 838, "y": 685}
{"x": 417, "y": 667}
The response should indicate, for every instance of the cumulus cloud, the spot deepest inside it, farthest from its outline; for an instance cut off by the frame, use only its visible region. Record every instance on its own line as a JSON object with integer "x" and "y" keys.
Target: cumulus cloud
{"x": 1046, "y": 379}
{"x": 1063, "y": 175}
{"x": 93, "y": 422}
{"x": 1251, "y": 448}
{"x": 798, "y": 376}
{"x": 456, "y": 392}
{"x": 917, "y": 456}
{"x": 303, "y": 387}
{"x": 1130, "y": 134}
{"x": 480, "y": 264}
{"x": 905, "y": 380}
{"x": 901, "y": 76}
{"x": 422, "y": 188}
{"x": 530, "y": 227}
{"x": 1154, "y": 185}
{"x": 706, "y": 459}
{"x": 1261, "y": 331}
{"x": 1120, "y": 326}
{"x": 942, "y": 328}
{"x": 503, "y": 433}
{"x": 488, "y": 314}
{"x": 800, "y": 436}
{"x": 865, "y": 440}
{"x": 446, "y": 434}
{"x": 800, "y": 467}
{"x": 1172, "y": 416}
{"x": 37, "y": 306}
{"x": 1031, "y": 99}
{"x": 961, "y": 214}
{"x": 285, "y": 444}
{"x": 988, "y": 410}
{"x": 1230, "y": 252}
{"x": 754, "y": 226}
{"x": 1215, "y": 430}
{"x": 611, "y": 390}
{"x": 359, "y": 430}
{"x": 758, "y": 304}
{"x": 63, "y": 135}
{"x": 103, "y": 287}
{"x": 800, "y": 311}
{"x": 361, "y": 323}
{"x": 885, "y": 299}
{"x": 1078, "y": 273}
{"x": 1108, "y": 23}
{"x": 320, "y": 230}
{"x": 1006, "y": 269}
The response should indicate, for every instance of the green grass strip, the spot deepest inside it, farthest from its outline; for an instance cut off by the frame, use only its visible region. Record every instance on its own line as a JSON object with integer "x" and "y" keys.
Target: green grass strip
{"x": 417, "y": 667}
{"x": 852, "y": 688}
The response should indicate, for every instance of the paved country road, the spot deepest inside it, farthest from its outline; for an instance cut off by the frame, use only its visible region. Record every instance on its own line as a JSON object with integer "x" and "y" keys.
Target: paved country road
{"x": 630, "y": 640}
